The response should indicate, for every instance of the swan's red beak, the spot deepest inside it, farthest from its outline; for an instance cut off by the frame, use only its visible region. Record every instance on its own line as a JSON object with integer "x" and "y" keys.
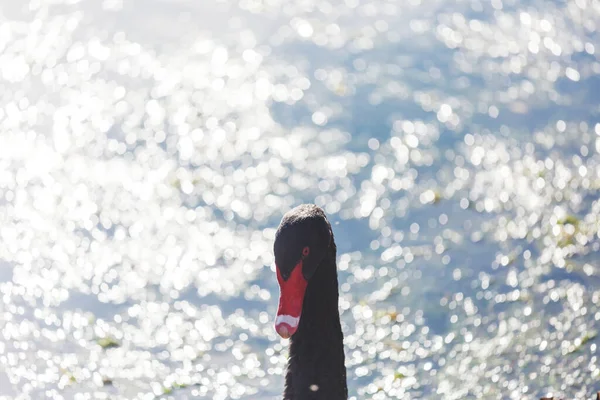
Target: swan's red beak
{"x": 291, "y": 297}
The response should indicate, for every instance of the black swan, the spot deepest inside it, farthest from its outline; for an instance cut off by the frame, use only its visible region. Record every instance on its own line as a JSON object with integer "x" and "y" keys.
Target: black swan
{"x": 305, "y": 259}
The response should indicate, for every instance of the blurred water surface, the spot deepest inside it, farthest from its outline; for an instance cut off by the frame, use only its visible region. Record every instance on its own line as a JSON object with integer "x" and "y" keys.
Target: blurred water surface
{"x": 148, "y": 149}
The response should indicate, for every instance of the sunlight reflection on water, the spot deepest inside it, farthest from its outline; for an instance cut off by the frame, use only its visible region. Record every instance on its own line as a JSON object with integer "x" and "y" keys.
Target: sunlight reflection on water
{"x": 149, "y": 149}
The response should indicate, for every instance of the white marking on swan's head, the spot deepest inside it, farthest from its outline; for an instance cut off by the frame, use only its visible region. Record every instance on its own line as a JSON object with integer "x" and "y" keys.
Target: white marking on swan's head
{"x": 286, "y": 325}
{"x": 287, "y": 319}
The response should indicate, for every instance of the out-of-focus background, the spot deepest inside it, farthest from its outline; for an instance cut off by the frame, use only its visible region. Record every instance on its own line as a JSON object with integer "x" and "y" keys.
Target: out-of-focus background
{"x": 148, "y": 149}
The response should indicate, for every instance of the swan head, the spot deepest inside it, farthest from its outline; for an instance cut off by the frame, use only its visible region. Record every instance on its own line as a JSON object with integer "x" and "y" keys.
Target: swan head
{"x": 301, "y": 243}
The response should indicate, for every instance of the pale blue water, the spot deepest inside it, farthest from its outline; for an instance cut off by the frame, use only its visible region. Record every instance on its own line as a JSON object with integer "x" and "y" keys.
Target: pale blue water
{"x": 148, "y": 150}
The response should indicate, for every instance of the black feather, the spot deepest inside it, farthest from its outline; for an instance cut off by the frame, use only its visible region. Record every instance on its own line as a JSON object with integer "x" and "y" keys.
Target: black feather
{"x": 316, "y": 366}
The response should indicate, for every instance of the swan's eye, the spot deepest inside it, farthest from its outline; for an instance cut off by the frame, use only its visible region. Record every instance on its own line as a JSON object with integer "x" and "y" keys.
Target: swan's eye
{"x": 305, "y": 251}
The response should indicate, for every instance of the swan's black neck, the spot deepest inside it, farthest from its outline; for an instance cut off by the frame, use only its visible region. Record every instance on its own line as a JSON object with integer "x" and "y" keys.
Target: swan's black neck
{"x": 316, "y": 369}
